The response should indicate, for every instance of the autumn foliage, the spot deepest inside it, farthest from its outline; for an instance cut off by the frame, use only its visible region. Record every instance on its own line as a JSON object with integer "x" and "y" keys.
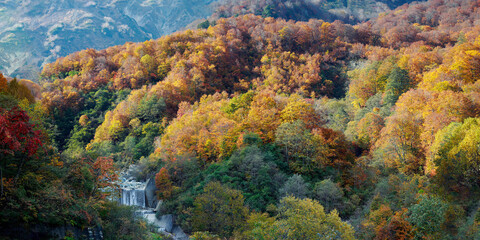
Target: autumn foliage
{"x": 251, "y": 122}
{"x": 17, "y": 133}
{"x": 163, "y": 184}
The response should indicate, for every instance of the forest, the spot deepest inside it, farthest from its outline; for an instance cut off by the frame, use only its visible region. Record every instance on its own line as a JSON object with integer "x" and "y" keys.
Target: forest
{"x": 256, "y": 127}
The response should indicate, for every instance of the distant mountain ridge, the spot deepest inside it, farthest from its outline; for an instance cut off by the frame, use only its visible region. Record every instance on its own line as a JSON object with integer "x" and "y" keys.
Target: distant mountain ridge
{"x": 349, "y": 11}
{"x": 34, "y": 32}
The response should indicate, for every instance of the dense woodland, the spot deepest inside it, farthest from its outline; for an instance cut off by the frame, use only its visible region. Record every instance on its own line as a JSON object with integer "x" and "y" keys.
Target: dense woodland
{"x": 260, "y": 128}
{"x": 349, "y": 11}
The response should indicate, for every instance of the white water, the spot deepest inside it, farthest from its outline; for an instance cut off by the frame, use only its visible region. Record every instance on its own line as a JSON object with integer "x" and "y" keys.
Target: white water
{"x": 133, "y": 193}
{"x": 133, "y": 197}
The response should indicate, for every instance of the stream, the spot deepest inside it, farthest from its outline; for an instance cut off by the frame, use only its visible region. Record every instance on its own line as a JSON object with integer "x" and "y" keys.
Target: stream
{"x": 143, "y": 196}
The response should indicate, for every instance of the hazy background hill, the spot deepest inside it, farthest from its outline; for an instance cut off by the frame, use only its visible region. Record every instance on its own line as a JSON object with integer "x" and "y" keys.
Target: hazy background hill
{"x": 349, "y": 11}
{"x": 34, "y": 32}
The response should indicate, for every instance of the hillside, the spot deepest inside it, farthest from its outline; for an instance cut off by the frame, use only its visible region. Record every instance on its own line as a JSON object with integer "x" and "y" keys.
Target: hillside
{"x": 351, "y": 11}
{"x": 261, "y": 127}
{"x": 34, "y": 32}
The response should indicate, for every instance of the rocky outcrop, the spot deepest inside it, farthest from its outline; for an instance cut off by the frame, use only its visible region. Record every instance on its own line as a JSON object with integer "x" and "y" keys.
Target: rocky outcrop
{"x": 50, "y": 232}
{"x": 179, "y": 234}
{"x": 164, "y": 224}
{"x": 150, "y": 193}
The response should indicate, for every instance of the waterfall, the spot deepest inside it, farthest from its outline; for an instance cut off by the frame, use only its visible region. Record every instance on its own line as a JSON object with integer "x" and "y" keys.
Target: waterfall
{"x": 142, "y": 194}
{"x": 133, "y": 197}
{"x": 133, "y": 193}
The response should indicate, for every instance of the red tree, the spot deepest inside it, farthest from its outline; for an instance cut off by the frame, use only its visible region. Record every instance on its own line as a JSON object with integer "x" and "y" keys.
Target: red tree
{"x": 17, "y": 137}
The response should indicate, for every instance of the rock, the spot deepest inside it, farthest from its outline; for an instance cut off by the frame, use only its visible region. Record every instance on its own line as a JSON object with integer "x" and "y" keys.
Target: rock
{"x": 40, "y": 231}
{"x": 165, "y": 224}
{"x": 151, "y": 196}
{"x": 166, "y": 221}
{"x": 159, "y": 205}
{"x": 150, "y": 217}
{"x": 179, "y": 234}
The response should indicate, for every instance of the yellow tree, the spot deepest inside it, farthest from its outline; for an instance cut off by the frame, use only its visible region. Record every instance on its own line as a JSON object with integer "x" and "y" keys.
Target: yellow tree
{"x": 399, "y": 144}
{"x": 368, "y": 129}
{"x": 301, "y": 219}
{"x": 457, "y": 157}
{"x": 263, "y": 116}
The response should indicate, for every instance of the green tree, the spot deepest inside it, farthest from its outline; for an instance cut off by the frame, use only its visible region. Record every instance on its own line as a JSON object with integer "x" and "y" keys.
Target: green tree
{"x": 295, "y": 186}
{"x": 204, "y": 236}
{"x": 337, "y": 113}
{"x": 427, "y": 216}
{"x": 204, "y": 25}
{"x": 7, "y": 101}
{"x": 328, "y": 194}
{"x": 219, "y": 209}
{"x": 19, "y": 91}
{"x": 398, "y": 82}
{"x": 121, "y": 222}
{"x": 269, "y": 11}
{"x": 151, "y": 109}
{"x": 296, "y": 141}
{"x": 258, "y": 179}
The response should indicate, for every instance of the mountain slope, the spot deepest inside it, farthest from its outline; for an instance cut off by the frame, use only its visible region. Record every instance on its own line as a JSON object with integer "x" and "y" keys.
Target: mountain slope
{"x": 34, "y": 32}
{"x": 379, "y": 121}
{"x": 350, "y": 11}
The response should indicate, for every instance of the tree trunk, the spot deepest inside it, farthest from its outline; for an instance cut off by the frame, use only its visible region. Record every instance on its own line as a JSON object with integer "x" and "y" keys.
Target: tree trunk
{"x": 1, "y": 177}
{"x": 18, "y": 172}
